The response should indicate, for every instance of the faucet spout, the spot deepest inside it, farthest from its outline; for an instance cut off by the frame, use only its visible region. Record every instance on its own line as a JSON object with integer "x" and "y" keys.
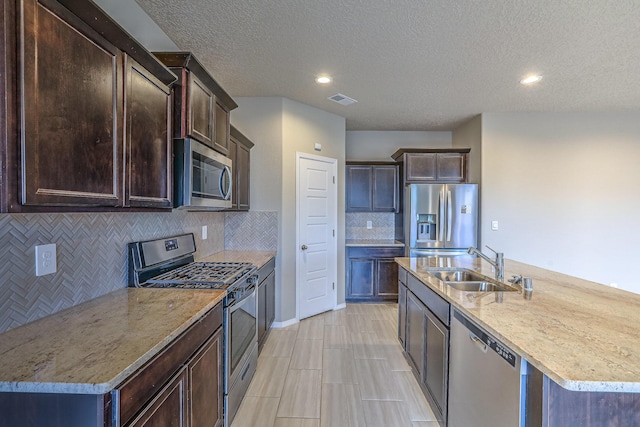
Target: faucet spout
{"x": 497, "y": 263}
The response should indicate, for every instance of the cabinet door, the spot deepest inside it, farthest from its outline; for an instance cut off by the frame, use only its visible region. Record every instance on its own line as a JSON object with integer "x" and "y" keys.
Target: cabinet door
{"x": 222, "y": 128}
{"x": 242, "y": 166}
{"x": 437, "y": 361}
{"x": 262, "y": 312}
{"x": 402, "y": 313}
{"x": 358, "y": 191}
{"x": 147, "y": 139}
{"x": 206, "y": 392}
{"x": 200, "y": 112}
{"x": 361, "y": 276}
{"x": 420, "y": 167}
{"x": 271, "y": 298}
{"x": 415, "y": 338}
{"x": 385, "y": 189}
{"x": 168, "y": 407}
{"x": 71, "y": 88}
{"x": 451, "y": 167}
{"x": 387, "y": 278}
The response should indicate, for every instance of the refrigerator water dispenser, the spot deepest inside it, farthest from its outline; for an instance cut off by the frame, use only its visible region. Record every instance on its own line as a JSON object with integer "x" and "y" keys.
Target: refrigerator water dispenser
{"x": 426, "y": 227}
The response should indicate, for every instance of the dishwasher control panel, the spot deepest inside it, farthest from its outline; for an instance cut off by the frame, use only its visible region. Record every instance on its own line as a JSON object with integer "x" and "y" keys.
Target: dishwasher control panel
{"x": 495, "y": 345}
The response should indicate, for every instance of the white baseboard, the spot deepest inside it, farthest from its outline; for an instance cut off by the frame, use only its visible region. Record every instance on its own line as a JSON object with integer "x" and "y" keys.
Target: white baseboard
{"x": 280, "y": 325}
{"x": 340, "y": 306}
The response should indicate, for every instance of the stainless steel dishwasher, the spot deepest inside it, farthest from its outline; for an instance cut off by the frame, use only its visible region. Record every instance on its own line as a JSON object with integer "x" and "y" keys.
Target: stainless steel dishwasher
{"x": 487, "y": 381}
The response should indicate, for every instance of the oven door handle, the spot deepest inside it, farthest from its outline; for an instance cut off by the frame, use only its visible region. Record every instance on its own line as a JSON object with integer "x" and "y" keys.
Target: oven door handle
{"x": 238, "y": 304}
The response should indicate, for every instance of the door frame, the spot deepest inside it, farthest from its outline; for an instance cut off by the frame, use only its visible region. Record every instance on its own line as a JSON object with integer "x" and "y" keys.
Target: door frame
{"x": 334, "y": 164}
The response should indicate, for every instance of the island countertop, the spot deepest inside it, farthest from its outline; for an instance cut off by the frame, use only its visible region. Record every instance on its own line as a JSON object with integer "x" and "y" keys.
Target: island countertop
{"x": 584, "y": 336}
{"x": 93, "y": 347}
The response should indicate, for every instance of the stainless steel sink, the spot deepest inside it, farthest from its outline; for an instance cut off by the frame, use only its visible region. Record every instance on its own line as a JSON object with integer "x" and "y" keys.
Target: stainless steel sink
{"x": 470, "y": 281}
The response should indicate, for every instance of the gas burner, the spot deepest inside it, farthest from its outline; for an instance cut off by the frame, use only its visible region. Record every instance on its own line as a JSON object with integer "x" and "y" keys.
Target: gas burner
{"x": 202, "y": 275}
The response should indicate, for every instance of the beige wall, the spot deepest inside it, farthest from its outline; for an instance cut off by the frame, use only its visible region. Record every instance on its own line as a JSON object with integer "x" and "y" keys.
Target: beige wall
{"x": 566, "y": 190}
{"x": 279, "y": 128}
{"x": 380, "y": 145}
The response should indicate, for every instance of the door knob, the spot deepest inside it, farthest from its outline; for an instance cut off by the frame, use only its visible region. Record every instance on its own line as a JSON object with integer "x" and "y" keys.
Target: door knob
{"x": 304, "y": 247}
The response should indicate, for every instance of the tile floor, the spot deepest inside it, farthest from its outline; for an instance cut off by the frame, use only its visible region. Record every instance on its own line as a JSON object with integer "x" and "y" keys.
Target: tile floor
{"x": 343, "y": 368}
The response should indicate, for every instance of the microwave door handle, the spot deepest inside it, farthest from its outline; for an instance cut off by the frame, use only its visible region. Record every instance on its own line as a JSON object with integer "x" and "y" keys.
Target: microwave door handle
{"x": 226, "y": 192}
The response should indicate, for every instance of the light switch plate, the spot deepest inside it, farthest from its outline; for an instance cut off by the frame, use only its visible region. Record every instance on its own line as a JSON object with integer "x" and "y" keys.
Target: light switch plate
{"x": 204, "y": 232}
{"x": 369, "y": 225}
{"x": 494, "y": 225}
{"x": 46, "y": 262}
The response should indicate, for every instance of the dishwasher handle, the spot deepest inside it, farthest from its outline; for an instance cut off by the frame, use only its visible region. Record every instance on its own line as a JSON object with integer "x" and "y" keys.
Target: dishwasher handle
{"x": 478, "y": 342}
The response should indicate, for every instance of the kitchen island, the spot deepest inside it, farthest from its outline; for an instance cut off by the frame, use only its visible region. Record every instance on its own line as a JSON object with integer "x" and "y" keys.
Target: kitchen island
{"x": 581, "y": 339}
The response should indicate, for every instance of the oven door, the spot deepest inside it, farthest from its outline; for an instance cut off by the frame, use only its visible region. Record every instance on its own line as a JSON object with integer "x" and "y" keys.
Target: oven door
{"x": 241, "y": 332}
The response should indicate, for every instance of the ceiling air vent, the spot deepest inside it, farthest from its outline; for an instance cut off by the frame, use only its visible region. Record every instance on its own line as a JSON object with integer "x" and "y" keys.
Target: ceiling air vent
{"x": 342, "y": 99}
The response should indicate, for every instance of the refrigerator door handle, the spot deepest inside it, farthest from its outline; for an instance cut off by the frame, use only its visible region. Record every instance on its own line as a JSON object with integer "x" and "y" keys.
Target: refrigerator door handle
{"x": 449, "y": 216}
{"x": 440, "y": 235}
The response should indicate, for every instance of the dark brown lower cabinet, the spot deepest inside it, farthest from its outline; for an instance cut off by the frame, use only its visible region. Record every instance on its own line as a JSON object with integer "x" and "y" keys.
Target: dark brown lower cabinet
{"x": 427, "y": 341}
{"x": 415, "y": 333}
{"x": 372, "y": 273}
{"x": 550, "y": 405}
{"x": 266, "y": 301}
{"x": 205, "y": 384}
{"x": 168, "y": 408}
{"x": 402, "y": 313}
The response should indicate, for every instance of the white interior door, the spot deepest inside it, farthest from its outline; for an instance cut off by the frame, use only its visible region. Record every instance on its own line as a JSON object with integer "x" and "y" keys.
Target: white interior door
{"x": 316, "y": 261}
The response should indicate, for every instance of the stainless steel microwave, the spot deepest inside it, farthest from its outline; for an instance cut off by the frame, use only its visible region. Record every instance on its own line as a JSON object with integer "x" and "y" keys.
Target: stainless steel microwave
{"x": 202, "y": 177}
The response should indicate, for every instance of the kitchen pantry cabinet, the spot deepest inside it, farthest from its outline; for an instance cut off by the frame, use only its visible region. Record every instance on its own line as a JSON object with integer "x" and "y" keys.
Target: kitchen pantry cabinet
{"x": 435, "y": 165}
{"x": 427, "y": 342}
{"x": 372, "y": 187}
{"x": 266, "y": 300}
{"x": 201, "y": 106}
{"x": 240, "y": 155}
{"x": 83, "y": 124}
{"x": 372, "y": 273}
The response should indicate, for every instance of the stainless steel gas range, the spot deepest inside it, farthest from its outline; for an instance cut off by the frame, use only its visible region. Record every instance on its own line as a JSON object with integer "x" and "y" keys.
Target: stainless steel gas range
{"x": 169, "y": 263}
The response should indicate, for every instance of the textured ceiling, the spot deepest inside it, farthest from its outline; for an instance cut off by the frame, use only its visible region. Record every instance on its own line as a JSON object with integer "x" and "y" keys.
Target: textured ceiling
{"x": 416, "y": 64}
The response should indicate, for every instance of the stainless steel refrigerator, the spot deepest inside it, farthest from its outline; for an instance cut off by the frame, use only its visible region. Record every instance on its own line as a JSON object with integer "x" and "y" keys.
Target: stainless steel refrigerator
{"x": 440, "y": 219}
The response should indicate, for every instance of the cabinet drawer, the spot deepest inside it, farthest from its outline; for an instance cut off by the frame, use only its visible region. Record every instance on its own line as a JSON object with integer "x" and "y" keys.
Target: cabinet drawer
{"x": 402, "y": 275}
{"x": 266, "y": 269}
{"x": 142, "y": 386}
{"x": 433, "y": 301}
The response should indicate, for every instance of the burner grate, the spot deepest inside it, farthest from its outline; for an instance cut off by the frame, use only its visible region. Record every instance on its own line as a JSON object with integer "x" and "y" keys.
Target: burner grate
{"x": 203, "y": 275}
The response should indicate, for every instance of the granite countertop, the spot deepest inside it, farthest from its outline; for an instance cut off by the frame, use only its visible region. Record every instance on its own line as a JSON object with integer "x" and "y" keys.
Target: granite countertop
{"x": 257, "y": 258}
{"x": 374, "y": 242}
{"x": 584, "y": 336}
{"x": 93, "y": 347}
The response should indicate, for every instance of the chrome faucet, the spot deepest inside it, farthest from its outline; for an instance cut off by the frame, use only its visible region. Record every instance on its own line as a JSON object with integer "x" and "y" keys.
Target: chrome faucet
{"x": 498, "y": 263}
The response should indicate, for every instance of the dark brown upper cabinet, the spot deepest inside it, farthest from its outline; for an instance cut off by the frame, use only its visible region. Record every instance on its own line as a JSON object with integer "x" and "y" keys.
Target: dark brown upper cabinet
{"x": 240, "y": 155}
{"x": 372, "y": 187}
{"x": 148, "y": 103}
{"x": 76, "y": 112}
{"x": 201, "y": 106}
{"x": 433, "y": 165}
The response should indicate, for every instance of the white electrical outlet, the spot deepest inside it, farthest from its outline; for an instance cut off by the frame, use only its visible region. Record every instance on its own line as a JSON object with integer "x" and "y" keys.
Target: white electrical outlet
{"x": 369, "y": 225}
{"x": 494, "y": 226}
{"x": 204, "y": 232}
{"x": 46, "y": 262}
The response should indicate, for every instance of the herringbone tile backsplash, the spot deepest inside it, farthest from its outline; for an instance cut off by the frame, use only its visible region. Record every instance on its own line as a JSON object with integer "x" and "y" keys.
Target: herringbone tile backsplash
{"x": 253, "y": 230}
{"x": 91, "y": 255}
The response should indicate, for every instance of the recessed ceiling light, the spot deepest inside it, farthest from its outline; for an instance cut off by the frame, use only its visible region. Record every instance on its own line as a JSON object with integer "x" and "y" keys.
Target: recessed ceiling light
{"x": 531, "y": 79}
{"x": 324, "y": 79}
